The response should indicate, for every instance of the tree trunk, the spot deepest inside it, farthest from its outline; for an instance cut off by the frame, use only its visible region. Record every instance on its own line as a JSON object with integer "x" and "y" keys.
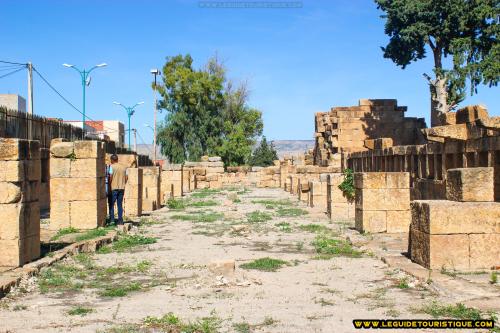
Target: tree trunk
{"x": 439, "y": 93}
{"x": 439, "y": 105}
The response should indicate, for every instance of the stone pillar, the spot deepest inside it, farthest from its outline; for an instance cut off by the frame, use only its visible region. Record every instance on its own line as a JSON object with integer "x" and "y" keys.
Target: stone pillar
{"x": 338, "y": 207}
{"x": 77, "y": 185}
{"x": 19, "y": 206}
{"x": 317, "y": 193}
{"x": 133, "y": 192}
{"x": 151, "y": 188}
{"x": 382, "y": 201}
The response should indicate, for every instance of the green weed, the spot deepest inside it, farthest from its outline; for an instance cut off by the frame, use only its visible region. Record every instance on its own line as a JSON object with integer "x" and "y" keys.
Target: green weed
{"x": 172, "y": 323}
{"x": 493, "y": 277}
{"x": 120, "y": 290}
{"x": 284, "y": 226}
{"x": 176, "y": 204}
{"x": 63, "y": 232}
{"x": 458, "y": 311}
{"x": 206, "y": 192}
{"x": 291, "y": 212}
{"x": 80, "y": 311}
{"x": 199, "y": 216}
{"x": 265, "y": 264}
{"x": 329, "y": 247}
{"x": 314, "y": 228}
{"x": 94, "y": 233}
{"x": 403, "y": 283}
{"x": 127, "y": 242}
{"x": 258, "y": 216}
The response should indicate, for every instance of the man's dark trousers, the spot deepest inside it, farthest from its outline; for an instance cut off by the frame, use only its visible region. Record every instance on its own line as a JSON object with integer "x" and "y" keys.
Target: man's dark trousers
{"x": 116, "y": 196}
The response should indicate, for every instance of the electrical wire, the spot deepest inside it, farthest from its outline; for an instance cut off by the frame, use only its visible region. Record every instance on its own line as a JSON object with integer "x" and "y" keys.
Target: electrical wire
{"x": 12, "y": 63}
{"x": 5, "y": 75}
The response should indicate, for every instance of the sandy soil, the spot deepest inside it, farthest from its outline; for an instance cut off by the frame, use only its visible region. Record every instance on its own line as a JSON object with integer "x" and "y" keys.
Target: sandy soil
{"x": 306, "y": 295}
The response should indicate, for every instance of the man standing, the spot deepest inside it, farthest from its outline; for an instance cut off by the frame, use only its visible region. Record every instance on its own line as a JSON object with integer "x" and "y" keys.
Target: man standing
{"x": 117, "y": 179}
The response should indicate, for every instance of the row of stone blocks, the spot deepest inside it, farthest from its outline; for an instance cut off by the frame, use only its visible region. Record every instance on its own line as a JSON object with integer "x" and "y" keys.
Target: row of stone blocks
{"x": 462, "y": 232}
{"x": 19, "y": 206}
{"x": 133, "y": 192}
{"x": 77, "y": 185}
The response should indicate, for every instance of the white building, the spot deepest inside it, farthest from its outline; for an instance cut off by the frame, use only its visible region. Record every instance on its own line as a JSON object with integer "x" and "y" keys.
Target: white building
{"x": 13, "y": 102}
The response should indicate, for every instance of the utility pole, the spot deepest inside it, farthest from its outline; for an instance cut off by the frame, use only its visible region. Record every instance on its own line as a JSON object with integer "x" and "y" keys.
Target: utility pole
{"x": 155, "y": 72}
{"x": 30, "y": 100}
{"x": 135, "y": 139}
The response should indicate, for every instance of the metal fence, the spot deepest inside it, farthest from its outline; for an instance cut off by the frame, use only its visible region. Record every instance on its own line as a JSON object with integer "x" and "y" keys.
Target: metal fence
{"x": 15, "y": 124}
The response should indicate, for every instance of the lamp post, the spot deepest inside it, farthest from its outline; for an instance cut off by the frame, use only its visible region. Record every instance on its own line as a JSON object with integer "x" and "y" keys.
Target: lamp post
{"x": 130, "y": 111}
{"x": 84, "y": 74}
{"x": 155, "y": 72}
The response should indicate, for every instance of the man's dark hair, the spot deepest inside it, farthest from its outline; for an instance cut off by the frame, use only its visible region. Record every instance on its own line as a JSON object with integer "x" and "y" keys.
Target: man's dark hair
{"x": 114, "y": 158}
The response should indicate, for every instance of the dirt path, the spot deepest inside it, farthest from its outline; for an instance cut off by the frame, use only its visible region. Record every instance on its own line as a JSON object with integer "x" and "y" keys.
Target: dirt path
{"x": 314, "y": 282}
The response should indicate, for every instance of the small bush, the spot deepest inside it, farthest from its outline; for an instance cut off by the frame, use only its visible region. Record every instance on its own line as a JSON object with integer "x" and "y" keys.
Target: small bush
{"x": 347, "y": 185}
{"x": 177, "y": 204}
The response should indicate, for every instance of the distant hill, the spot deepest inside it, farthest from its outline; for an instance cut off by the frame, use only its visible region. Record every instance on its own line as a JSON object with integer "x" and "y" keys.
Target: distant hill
{"x": 292, "y": 147}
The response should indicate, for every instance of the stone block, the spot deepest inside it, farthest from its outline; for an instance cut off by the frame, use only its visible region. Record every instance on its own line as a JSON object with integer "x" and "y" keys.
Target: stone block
{"x": 214, "y": 159}
{"x": 398, "y": 180}
{"x": 89, "y": 149}
{"x": 382, "y": 143}
{"x": 60, "y": 216}
{"x": 19, "y": 192}
{"x": 398, "y": 221}
{"x": 451, "y": 217}
{"x": 370, "y": 221}
{"x": 60, "y": 167}
{"x": 396, "y": 199}
{"x": 72, "y": 189}
{"x": 148, "y": 205}
{"x": 222, "y": 267}
{"x": 484, "y": 251}
{"x": 12, "y": 253}
{"x": 63, "y": 150}
{"x": 32, "y": 170}
{"x": 88, "y": 214}
{"x": 471, "y": 113}
{"x": 19, "y": 220}
{"x": 371, "y": 180}
{"x": 134, "y": 176}
{"x": 87, "y": 167}
{"x": 470, "y": 184}
{"x": 14, "y": 149}
{"x": 438, "y": 251}
{"x": 370, "y": 199}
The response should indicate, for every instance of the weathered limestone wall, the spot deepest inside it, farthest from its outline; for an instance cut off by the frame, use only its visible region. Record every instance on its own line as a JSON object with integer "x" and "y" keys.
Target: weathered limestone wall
{"x": 344, "y": 129}
{"x": 208, "y": 173}
{"x": 133, "y": 192}
{"x": 382, "y": 201}
{"x": 339, "y": 208}
{"x": 462, "y": 233}
{"x": 77, "y": 185}
{"x": 19, "y": 206}
{"x": 151, "y": 182}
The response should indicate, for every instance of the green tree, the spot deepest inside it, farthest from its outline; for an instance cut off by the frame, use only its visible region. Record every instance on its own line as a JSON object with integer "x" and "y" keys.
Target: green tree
{"x": 264, "y": 155}
{"x": 205, "y": 115}
{"x": 464, "y": 29}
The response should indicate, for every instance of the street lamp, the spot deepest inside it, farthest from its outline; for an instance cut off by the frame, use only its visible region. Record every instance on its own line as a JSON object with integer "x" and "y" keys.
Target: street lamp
{"x": 130, "y": 111}
{"x": 85, "y": 82}
{"x": 155, "y": 72}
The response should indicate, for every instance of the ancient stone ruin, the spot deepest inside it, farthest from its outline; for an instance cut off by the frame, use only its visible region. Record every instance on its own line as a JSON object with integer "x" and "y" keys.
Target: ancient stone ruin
{"x": 439, "y": 186}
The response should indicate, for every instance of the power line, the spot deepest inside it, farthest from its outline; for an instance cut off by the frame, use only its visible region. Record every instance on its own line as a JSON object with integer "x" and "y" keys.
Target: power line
{"x": 12, "y": 63}
{"x": 17, "y": 70}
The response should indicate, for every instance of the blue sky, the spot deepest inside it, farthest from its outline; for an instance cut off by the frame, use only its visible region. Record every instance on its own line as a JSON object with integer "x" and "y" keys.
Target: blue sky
{"x": 297, "y": 61}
